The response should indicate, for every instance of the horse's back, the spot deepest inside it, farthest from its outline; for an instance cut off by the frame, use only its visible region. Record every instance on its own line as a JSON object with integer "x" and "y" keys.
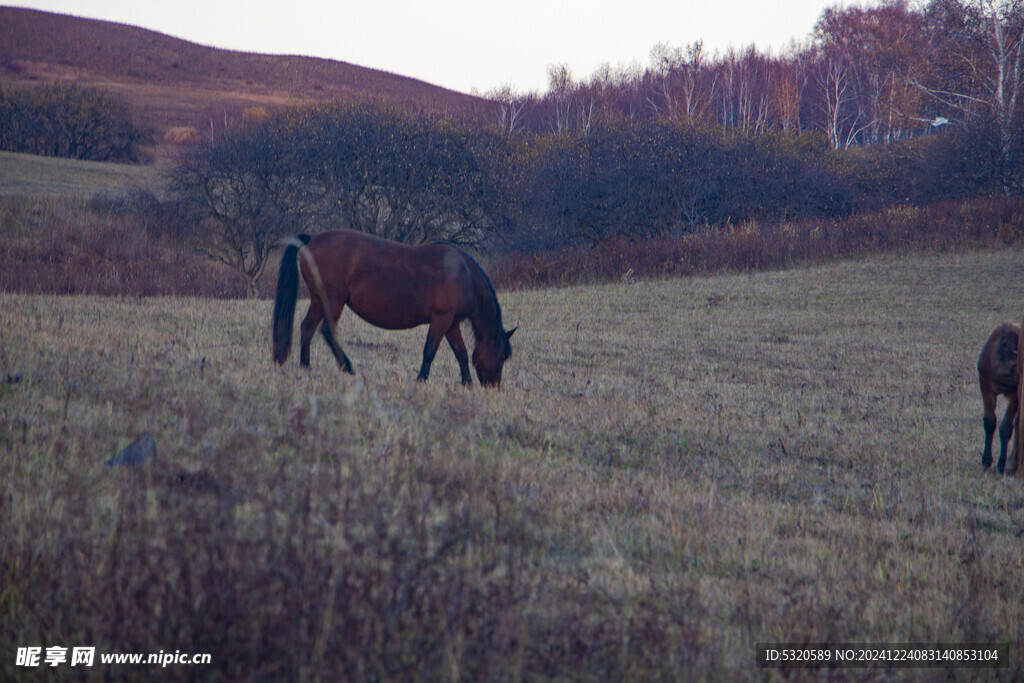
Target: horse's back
{"x": 393, "y": 285}
{"x": 351, "y": 248}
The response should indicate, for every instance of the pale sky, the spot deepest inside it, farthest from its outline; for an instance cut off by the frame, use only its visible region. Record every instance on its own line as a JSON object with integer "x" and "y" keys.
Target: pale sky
{"x": 464, "y": 44}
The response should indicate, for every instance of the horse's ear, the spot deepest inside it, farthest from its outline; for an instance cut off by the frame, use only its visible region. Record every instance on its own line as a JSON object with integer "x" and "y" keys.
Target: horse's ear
{"x": 508, "y": 334}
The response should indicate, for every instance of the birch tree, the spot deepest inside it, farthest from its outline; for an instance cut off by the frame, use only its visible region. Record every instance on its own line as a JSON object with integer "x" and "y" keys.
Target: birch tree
{"x": 977, "y": 67}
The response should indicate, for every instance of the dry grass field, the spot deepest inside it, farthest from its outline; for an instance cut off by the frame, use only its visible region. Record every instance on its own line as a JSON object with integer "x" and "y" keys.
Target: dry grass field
{"x": 28, "y": 174}
{"x": 673, "y": 471}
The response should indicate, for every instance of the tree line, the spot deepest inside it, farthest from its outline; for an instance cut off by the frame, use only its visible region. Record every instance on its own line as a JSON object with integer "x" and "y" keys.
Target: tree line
{"x": 869, "y": 75}
{"x": 415, "y": 178}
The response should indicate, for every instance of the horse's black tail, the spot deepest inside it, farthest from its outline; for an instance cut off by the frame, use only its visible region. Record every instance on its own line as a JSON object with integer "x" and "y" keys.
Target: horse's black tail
{"x": 284, "y": 301}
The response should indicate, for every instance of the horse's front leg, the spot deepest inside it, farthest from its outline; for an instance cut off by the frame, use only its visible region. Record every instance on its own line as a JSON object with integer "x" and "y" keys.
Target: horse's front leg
{"x": 438, "y": 328}
{"x": 454, "y": 337}
{"x": 1006, "y": 429}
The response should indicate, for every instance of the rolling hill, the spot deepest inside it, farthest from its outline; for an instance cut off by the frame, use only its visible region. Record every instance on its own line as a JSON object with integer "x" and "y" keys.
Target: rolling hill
{"x": 174, "y": 83}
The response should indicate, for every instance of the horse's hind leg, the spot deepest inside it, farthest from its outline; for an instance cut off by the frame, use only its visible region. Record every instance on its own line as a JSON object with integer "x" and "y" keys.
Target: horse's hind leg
{"x": 1006, "y": 433}
{"x": 308, "y": 328}
{"x": 327, "y": 329}
{"x": 314, "y": 319}
{"x": 454, "y": 337}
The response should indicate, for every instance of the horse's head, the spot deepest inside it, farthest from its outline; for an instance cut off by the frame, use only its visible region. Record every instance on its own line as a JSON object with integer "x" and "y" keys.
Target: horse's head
{"x": 490, "y": 355}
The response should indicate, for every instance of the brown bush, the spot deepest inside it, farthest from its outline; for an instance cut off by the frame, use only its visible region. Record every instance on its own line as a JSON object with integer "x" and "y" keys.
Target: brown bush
{"x": 125, "y": 245}
{"x": 753, "y": 246}
{"x": 255, "y": 115}
{"x": 181, "y": 135}
{"x": 104, "y": 246}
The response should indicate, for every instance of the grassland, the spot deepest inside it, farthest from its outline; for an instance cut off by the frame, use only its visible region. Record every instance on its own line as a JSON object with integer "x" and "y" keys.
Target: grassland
{"x": 672, "y": 472}
{"x": 28, "y": 174}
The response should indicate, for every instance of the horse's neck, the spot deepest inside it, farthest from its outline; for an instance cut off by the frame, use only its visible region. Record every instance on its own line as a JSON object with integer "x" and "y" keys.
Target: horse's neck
{"x": 486, "y": 323}
{"x": 486, "y": 318}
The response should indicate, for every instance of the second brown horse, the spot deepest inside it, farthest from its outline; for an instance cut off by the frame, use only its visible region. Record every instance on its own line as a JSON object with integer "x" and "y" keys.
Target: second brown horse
{"x": 999, "y": 374}
{"x": 393, "y": 286}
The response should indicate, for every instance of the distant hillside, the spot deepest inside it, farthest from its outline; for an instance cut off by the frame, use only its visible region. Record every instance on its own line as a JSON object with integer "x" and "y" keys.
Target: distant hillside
{"x": 174, "y": 83}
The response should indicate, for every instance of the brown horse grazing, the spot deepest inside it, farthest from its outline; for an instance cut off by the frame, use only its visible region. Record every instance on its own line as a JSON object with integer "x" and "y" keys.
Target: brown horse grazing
{"x": 999, "y": 373}
{"x": 394, "y": 286}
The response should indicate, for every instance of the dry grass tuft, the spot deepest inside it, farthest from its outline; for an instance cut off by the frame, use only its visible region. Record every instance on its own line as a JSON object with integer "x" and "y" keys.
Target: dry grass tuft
{"x": 181, "y": 135}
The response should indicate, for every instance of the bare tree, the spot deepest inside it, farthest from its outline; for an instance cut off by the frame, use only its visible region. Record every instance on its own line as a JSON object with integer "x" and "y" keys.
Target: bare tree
{"x": 755, "y": 82}
{"x": 981, "y": 42}
{"x": 509, "y": 105}
{"x": 845, "y": 115}
{"x": 560, "y": 91}
{"x": 1003, "y": 24}
{"x": 240, "y": 196}
{"x": 788, "y": 93}
{"x": 686, "y": 85}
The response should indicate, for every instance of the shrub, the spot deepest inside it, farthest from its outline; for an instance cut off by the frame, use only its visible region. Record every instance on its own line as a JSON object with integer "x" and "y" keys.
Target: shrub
{"x": 366, "y": 167}
{"x": 70, "y": 121}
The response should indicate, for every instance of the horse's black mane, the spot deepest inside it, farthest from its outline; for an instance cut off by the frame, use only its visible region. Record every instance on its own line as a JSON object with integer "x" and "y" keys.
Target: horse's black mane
{"x": 499, "y": 328}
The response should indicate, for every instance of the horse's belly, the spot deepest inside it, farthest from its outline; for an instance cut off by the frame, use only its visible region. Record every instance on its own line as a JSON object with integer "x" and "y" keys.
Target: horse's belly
{"x": 389, "y": 314}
